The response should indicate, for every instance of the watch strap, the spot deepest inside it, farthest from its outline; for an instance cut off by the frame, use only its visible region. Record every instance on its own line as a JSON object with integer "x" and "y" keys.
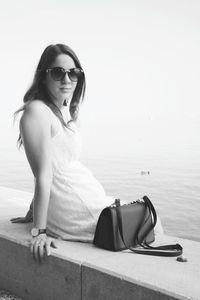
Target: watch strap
{"x": 42, "y": 231}
{"x": 36, "y": 231}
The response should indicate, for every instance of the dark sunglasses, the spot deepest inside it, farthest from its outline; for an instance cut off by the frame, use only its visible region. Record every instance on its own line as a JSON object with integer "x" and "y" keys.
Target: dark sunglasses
{"x": 58, "y": 73}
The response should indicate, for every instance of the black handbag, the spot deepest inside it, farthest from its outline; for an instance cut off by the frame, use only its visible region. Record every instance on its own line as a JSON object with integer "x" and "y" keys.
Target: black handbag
{"x": 131, "y": 226}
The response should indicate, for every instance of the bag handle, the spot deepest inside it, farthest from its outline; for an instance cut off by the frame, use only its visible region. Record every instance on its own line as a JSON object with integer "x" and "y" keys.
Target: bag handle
{"x": 165, "y": 250}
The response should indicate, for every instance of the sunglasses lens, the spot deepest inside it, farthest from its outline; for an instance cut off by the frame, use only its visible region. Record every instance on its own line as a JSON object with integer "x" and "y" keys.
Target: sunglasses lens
{"x": 74, "y": 74}
{"x": 57, "y": 73}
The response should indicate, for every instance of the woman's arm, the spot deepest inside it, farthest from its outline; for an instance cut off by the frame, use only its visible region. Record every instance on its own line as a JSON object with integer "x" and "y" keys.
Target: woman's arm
{"x": 35, "y": 128}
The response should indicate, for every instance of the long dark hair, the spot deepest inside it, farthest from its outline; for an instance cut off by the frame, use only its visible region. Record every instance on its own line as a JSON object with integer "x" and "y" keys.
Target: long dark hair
{"x": 39, "y": 91}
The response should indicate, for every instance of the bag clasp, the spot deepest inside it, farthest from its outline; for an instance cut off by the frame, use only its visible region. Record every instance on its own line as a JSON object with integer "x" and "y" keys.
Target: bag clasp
{"x": 116, "y": 203}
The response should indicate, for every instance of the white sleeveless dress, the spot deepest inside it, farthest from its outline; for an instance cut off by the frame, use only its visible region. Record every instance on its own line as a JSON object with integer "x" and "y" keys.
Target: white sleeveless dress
{"x": 76, "y": 197}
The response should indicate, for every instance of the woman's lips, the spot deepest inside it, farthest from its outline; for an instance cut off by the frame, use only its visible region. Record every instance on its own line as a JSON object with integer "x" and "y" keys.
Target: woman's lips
{"x": 64, "y": 89}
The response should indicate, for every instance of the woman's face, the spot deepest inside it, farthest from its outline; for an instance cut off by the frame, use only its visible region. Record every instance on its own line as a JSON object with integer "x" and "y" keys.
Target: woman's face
{"x": 62, "y": 89}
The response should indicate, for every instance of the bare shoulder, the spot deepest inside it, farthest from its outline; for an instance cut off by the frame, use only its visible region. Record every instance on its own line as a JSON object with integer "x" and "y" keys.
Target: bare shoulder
{"x": 36, "y": 107}
{"x": 35, "y": 112}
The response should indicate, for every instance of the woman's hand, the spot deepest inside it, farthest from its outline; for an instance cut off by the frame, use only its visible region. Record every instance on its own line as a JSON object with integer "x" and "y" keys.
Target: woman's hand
{"x": 40, "y": 246}
{"x": 27, "y": 219}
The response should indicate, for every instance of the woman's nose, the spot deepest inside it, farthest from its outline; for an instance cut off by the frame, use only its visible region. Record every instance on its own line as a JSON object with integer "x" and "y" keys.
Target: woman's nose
{"x": 66, "y": 78}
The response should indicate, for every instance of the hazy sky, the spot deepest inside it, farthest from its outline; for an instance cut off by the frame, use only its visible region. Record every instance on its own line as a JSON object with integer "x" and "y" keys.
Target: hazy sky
{"x": 142, "y": 65}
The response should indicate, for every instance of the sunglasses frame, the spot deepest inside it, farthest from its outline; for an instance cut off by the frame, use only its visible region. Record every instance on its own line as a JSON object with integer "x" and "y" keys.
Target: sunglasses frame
{"x": 64, "y": 73}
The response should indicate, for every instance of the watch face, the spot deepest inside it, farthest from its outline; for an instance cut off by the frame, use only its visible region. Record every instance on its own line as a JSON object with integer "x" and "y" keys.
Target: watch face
{"x": 34, "y": 232}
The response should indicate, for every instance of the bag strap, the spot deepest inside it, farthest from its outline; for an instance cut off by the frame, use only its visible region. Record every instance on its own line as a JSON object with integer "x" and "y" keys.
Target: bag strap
{"x": 165, "y": 250}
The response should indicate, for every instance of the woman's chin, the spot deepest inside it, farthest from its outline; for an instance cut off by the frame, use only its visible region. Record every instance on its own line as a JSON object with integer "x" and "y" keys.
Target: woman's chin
{"x": 65, "y": 95}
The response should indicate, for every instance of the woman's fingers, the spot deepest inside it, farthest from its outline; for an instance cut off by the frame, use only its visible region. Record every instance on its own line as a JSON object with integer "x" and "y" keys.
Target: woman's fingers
{"x": 13, "y": 220}
{"x": 37, "y": 252}
{"x": 53, "y": 244}
{"x": 48, "y": 246}
{"x": 21, "y": 220}
{"x": 17, "y": 220}
{"x": 40, "y": 247}
{"x": 37, "y": 249}
{"x": 50, "y": 243}
{"x": 41, "y": 251}
{"x": 31, "y": 247}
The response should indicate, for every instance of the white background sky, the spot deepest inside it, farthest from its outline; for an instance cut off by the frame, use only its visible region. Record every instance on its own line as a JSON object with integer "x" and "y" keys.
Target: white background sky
{"x": 142, "y": 65}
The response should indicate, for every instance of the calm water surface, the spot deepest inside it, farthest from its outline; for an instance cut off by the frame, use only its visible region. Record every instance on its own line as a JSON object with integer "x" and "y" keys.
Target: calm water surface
{"x": 173, "y": 184}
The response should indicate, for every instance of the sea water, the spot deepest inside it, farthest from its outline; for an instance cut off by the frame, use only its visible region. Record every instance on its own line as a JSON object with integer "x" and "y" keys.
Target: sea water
{"x": 171, "y": 182}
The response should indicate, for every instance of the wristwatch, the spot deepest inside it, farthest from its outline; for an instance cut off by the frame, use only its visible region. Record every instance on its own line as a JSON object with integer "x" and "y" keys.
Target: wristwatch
{"x": 36, "y": 231}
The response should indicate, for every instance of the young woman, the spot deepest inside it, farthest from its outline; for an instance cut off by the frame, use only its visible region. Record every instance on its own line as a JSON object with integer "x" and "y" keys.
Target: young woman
{"x": 67, "y": 198}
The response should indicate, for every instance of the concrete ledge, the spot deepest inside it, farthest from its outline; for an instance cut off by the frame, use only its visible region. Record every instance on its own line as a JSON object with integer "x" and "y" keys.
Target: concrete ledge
{"x": 82, "y": 271}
